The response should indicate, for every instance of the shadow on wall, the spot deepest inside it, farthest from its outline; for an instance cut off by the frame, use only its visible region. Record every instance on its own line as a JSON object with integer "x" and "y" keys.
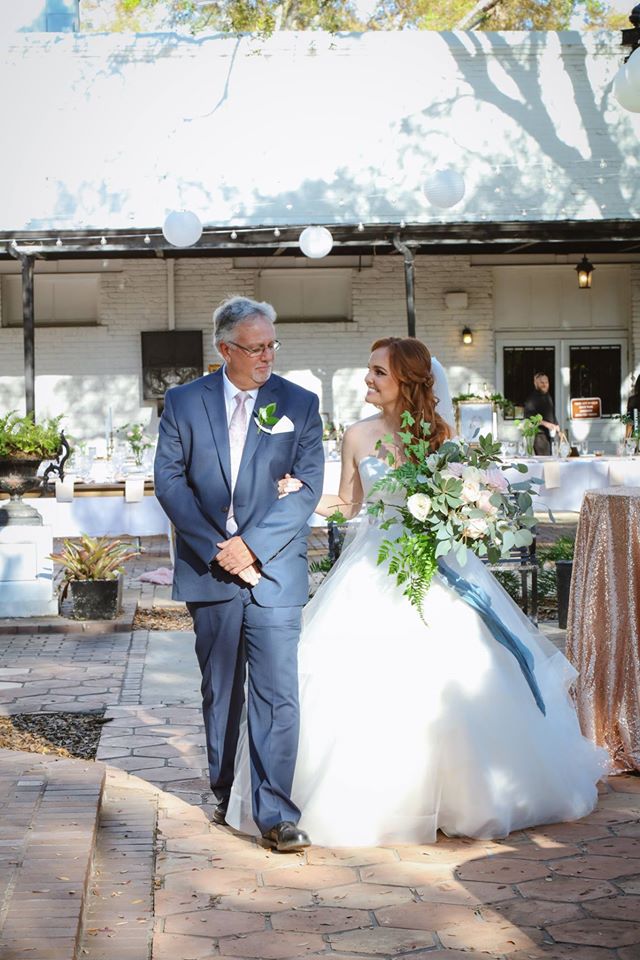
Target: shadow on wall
{"x": 512, "y": 94}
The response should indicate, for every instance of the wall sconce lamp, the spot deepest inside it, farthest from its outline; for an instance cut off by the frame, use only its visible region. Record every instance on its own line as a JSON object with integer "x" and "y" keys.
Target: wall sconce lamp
{"x": 585, "y": 272}
{"x": 467, "y": 336}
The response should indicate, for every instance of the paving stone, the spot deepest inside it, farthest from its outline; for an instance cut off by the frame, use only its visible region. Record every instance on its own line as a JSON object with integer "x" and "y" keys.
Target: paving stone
{"x": 381, "y": 940}
{"x": 567, "y": 889}
{"x": 629, "y": 953}
{"x": 577, "y": 832}
{"x": 365, "y": 896}
{"x": 597, "y": 867}
{"x": 533, "y": 913}
{"x": 350, "y": 856}
{"x": 615, "y": 908}
{"x": 214, "y": 923}
{"x": 308, "y": 877}
{"x": 499, "y": 938}
{"x": 501, "y": 870}
{"x": 625, "y": 783}
{"x": 266, "y": 899}
{"x": 213, "y": 881}
{"x": 469, "y": 892}
{"x": 444, "y": 851}
{"x": 597, "y": 932}
{"x": 629, "y": 884}
{"x": 406, "y": 874}
{"x": 563, "y": 951}
{"x": 615, "y": 847}
{"x": 167, "y": 946}
{"x": 273, "y": 945}
{"x": 424, "y": 916}
{"x": 321, "y": 920}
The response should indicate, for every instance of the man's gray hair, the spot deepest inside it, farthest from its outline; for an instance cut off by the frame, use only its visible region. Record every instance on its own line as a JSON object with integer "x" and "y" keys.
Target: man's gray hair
{"x": 233, "y": 311}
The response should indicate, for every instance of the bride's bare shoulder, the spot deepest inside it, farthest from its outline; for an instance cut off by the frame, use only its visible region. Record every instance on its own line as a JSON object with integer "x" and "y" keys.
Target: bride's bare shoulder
{"x": 364, "y": 427}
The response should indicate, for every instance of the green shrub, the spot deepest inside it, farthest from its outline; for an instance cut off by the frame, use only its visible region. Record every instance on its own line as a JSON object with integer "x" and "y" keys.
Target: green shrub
{"x": 22, "y": 438}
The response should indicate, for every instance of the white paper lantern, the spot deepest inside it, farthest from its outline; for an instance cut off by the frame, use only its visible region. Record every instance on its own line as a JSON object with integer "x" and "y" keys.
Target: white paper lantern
{"x": 626, "y": 85}
{"x": 315, "y": 242}
{"x": 444, "y": 188}
{"x": 182, "y": 228}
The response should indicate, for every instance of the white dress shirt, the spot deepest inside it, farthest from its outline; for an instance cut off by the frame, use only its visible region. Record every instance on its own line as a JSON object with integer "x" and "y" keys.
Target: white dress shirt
{"x": 230, "y": 391}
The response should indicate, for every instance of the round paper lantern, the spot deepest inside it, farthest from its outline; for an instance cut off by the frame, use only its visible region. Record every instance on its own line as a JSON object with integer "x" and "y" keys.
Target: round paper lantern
{"x": 315, "y": 242}
{"x": 444, "y": 188}
{"x": 626, "y": 85}
{"x": 182, "y": 228}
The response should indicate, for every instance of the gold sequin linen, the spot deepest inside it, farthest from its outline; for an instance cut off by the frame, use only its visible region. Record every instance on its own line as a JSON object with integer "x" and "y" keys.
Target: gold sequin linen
{"x": 603, "y": 626}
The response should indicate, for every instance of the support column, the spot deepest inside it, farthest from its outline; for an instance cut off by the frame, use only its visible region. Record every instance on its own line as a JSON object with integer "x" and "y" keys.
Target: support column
{"x": 409, "y": 272}
{"x": 28, "y": 320}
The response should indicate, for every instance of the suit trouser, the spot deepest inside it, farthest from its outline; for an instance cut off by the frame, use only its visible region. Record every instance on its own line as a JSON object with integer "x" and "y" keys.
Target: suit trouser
{"x": 230, "y": 634}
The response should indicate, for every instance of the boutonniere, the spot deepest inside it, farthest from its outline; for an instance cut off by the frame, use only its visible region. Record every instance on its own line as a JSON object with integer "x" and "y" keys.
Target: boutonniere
{"x": 266, "y": 418}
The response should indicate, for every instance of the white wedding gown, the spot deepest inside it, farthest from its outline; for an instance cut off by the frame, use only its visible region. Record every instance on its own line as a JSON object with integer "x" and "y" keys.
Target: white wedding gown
{"x": 408, "y": 729}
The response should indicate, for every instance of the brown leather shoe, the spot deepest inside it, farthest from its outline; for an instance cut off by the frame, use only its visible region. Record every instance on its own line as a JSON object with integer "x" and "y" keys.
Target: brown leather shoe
{"x": 286, "y": 837}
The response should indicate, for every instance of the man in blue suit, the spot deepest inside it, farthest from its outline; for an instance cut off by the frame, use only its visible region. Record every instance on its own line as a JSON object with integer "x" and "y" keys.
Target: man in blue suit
{"x": 241, "y": 558}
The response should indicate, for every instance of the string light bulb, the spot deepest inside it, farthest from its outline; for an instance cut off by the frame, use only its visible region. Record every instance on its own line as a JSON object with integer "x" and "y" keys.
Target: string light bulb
{"x": 147, "y": 238}
{"x": 233, "y": 235}
{"x": 103, "y": 241}
{"x": 276, "y": 232}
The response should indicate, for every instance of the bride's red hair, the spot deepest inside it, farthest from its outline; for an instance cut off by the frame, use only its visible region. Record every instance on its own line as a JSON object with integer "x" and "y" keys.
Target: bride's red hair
{"x": 410, "y": 366}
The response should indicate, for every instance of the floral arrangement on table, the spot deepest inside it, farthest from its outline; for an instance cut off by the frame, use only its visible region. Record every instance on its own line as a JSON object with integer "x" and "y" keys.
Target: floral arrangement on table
{"x": 137, "y": 440}
{"x": 456, "y": 499}
{"x": 529, "y": 429}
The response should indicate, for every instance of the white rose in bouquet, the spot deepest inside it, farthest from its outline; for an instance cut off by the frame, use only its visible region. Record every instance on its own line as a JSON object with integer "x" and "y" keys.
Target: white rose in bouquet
{"x": 484, "y": 503}
{"x": 470, "y": 491}
{"x": 476, "y": 527}
{"x": 419, "y": 506}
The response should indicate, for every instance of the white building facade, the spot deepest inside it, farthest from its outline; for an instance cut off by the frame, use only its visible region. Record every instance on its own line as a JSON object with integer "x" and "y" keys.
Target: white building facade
{"x": 261, "y": 138}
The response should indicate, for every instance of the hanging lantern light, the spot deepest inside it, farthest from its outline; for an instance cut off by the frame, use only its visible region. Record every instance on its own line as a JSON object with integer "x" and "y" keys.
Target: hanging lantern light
{"x": 585, "y": 272}
{"x": 467, "y": 336}
{"x": 444, "y": 188}
{"x": 315, "y": 242}
{"x": 182, "y": 228}
{"x": 626, "y": 84}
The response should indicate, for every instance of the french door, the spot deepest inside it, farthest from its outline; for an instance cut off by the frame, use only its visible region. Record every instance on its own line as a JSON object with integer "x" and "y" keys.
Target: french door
{"x": 577, "y": 366}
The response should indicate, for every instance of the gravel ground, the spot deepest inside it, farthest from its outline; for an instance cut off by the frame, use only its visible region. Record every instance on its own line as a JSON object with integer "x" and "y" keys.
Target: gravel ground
{"x": 60, "y": 734}
{"x": 157, "y": 619}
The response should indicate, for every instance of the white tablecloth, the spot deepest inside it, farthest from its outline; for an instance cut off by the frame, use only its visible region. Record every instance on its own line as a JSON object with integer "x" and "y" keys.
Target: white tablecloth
{"x": 103, "y": 516}
{"x": 568, "y": 480}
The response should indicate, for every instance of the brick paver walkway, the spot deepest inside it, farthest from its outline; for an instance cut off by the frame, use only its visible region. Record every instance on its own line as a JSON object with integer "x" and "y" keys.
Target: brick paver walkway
{"x": 166, "y": 883}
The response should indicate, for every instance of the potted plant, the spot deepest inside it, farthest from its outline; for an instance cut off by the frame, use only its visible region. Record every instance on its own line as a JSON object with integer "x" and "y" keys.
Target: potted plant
{"x": 92, "y": 572}
{"x": 24, "y": 444}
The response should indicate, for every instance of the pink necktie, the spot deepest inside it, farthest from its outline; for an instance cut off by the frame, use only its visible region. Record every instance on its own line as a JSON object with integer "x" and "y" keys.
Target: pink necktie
{"x": 237, "y": 437}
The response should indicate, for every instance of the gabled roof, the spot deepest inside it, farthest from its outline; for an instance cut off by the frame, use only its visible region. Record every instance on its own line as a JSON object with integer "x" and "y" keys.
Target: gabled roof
{"x": 110, "y": 132}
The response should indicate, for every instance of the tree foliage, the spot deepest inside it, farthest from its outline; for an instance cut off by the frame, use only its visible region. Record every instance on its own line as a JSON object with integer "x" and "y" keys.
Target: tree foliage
{"x": 266, "y": 16}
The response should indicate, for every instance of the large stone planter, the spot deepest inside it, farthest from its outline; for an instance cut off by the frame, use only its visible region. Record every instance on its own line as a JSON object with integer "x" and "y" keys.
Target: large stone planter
{"x": 19, "y": 476}
{"x": 96, "y": 599}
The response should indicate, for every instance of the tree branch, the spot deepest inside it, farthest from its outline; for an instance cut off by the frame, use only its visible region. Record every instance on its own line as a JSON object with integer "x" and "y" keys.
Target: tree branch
{"x": 476, "y": 14}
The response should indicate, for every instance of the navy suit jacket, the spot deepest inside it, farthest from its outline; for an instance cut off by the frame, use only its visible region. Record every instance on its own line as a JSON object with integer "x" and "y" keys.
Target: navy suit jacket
{"x": 193, "y": 484}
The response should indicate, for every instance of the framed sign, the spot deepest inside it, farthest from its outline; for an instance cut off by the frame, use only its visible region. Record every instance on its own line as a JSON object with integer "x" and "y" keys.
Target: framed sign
{"x": 586, "y": 408}
{"x": 474, "y": 418}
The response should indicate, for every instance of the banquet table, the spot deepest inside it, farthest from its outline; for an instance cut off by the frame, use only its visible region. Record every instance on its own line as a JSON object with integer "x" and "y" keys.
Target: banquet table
{"x": 603, "y": 626}
{"x": 565, "y": 481}
{"x": 102, "y": 510}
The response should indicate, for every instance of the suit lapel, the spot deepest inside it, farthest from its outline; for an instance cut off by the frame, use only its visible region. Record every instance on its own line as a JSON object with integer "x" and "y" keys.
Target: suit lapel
{"x": 269, "y": 393}
{"x": 213, "y": 399}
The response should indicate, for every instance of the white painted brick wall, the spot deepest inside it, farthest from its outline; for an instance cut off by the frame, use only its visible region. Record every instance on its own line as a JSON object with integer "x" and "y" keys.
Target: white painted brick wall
{"x": 83, "y": 371}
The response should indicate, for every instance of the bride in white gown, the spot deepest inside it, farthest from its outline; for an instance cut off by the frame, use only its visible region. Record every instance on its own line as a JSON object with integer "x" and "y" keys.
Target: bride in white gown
{"x": 407, "y": 728}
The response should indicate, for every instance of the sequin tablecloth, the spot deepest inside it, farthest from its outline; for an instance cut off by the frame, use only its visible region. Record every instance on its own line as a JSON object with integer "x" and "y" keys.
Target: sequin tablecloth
{"x": 603, "y": 626}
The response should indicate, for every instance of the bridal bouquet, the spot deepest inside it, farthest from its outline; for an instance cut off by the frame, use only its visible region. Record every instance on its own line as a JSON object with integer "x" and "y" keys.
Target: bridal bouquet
{"x": 455, "y": 499}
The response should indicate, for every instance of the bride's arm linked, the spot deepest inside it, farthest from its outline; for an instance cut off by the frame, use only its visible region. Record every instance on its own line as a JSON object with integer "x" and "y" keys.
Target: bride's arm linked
{"x": 348, "y": 500}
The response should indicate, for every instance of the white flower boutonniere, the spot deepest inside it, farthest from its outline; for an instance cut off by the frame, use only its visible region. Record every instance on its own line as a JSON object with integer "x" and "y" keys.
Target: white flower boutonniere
{"x": 266, "y": 418}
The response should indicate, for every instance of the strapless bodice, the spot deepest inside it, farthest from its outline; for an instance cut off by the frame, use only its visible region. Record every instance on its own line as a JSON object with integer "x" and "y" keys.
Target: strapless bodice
{"x": 372, "y": 469}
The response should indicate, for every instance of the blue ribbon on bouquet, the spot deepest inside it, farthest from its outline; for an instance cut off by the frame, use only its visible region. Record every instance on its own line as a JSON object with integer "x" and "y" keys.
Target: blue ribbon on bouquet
{"x": 477, "y": 598}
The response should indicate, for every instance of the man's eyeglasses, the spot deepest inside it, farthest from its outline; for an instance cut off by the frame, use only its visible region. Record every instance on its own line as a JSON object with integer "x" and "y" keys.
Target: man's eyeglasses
{"x": 256, "y": 351}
